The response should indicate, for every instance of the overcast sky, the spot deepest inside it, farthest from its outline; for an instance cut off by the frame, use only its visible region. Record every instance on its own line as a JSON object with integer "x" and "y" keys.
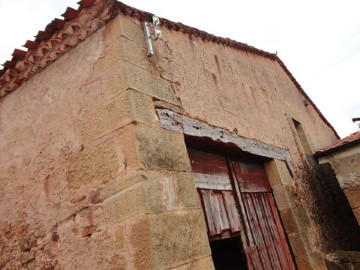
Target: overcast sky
{"x": 319, "y": 41}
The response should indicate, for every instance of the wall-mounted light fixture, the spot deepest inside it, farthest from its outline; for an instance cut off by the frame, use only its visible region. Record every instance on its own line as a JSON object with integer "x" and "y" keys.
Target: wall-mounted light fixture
{"x": 151, "y": 31}
{"x": 356, "y": 120}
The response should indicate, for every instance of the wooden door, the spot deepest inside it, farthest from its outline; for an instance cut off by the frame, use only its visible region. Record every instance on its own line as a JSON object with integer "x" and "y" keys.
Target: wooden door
{"x": 265, "y": 242}
{"x": 237, "y": 200}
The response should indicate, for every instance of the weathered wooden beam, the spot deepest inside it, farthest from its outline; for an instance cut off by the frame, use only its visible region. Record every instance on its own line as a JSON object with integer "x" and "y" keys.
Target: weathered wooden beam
{"x": 176, "y": 122}
{"x": 214, "y": 182}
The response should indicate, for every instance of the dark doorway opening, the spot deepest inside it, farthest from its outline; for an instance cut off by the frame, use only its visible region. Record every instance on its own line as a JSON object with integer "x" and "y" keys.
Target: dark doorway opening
{"x": 228, "y": 254}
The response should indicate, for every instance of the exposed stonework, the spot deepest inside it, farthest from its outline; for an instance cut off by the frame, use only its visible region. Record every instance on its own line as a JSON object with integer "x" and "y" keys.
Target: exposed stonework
{"x": 345, "y": 162}
{"x": 342, "y": 260}
{"x": 90, "y": 179}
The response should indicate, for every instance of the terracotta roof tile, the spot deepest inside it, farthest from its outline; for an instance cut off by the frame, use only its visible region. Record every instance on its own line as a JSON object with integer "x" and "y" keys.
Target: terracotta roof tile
{"x": 70, "y": 14}
{"x": 346, "y": 142}
{"x": 86, "y": 3}
{"x": 103, "y": 11}
{"x": 31, "y": 45}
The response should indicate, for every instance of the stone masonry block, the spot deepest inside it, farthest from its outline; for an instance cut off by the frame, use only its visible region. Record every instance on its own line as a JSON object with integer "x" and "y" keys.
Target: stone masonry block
{"x": 202, "y": 264}
{"x": 130, "y": 106}
{"x": 106, "y": 118}
{"x": 123, "y": 27}
{"x": 129, "y": 147}
{"x": 133, "y": 31}
{"x": 186, "y": 194}
{"x": 289, "y": 221}
{"x": 120, "y": 240}
{"x": 297, "y": 245}
{"x": 112, "y": 31}
{"x": 124, "y": 40}
{"x": 317, "y": 261}
{"x": 142, "y": 108}
{"x": 124, "y": 49}
{"x": 353, "y": 196}
{"x": 162, "y": 149}
{"x": 168, "y": 248}
{"x": 137, "y": 55}
{"x": 278, "y": 173}
{"x": 302, "y": 263}
{"x": 357, "y": 214}
{"x": 128, "y": 76}
{"x": 122, "y": 183}
{"x": 283, "y": 197}
{"x": 168, "y": 192}
{"x": 96, "y": 164}
{"x": 138, "y": 232}
{"x": 142, "y": 198}
{"x": 142, "y": 81}
{"x": 109, "y": 60}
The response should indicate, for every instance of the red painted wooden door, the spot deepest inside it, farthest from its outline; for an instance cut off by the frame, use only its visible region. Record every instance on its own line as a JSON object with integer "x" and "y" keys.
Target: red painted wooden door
{"x": 237, "y": 200}
{"x": 265, "y": 243}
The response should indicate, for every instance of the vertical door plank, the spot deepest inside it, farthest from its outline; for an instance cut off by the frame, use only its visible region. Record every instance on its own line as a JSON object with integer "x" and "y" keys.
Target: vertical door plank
{"x": 273, "y": 256}
{"x": 281, "y": 232}
{"x": 219, "y": 210}
{"x": 208, "y": 212}
{"x": 256, "y": 229}
{"x": 274, "y": 233}
{"x": 232, "y": 212}
{"x": 246, "y": 235}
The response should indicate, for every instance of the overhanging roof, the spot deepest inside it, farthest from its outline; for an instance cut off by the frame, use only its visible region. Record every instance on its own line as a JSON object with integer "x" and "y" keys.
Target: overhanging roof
{"x": 349, "y": 141}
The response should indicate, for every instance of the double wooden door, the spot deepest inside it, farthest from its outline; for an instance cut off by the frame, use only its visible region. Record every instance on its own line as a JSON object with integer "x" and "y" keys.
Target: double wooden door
{"x": 237, "y": 201}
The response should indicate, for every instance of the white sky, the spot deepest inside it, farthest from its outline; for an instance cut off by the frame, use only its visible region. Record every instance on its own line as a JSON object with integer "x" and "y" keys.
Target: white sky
{"x": 319, "y": 41}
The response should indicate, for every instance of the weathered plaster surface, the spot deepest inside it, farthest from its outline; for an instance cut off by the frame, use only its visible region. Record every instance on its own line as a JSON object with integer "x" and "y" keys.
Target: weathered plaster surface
{"x": 237, "y": 91}
{"x": 38, "y": 139}
{"x": 250, "y": 96}
{"x": 90, "y": 180}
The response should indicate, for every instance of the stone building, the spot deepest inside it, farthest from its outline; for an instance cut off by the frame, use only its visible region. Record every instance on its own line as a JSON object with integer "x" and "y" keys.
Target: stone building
{"x": 344, "y": 157}
{"x": 200, "y": 154}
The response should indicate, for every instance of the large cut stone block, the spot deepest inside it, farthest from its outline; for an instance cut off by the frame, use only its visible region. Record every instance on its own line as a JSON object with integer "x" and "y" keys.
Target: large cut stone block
{"x": 128, "y": 76}
{"x": 106, "y": 118}
{"x": 162, "y": 149}
{"x": 121, "y": 184}
{"x": 142, "y": 198}
{"x": 116, "y": 31}
{"x": 186, "y": 194}
{"x": 138, "y": 232}
{"x": 130, "y": 106}
{"x": 297, "y": 244}
{"x": 353, "y": 196}
{"x": 278, "y": 173}
{"x": 123, "y": 27}
{"x": 129, "y": 147}
{"x": 289, "y": 221}
{"x": 177, "y": 238}
{"x": 202, "y": 264}
{"x": 303, "y": 263}
{"x": 283, "y": 197}
{"x": 96, "y": 164}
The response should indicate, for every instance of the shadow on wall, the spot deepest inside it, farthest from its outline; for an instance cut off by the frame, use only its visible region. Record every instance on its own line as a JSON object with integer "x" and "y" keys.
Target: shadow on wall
{"x": 331, "y": 211}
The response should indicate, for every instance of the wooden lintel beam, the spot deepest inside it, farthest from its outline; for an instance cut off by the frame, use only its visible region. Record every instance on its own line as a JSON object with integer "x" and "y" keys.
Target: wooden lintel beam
{"x": 176, "y": 122}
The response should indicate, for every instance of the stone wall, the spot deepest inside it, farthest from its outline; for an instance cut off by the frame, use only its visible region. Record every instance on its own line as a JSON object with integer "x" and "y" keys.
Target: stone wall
{"x": 345, "y": 165}
{"x": 90, "y": 180}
